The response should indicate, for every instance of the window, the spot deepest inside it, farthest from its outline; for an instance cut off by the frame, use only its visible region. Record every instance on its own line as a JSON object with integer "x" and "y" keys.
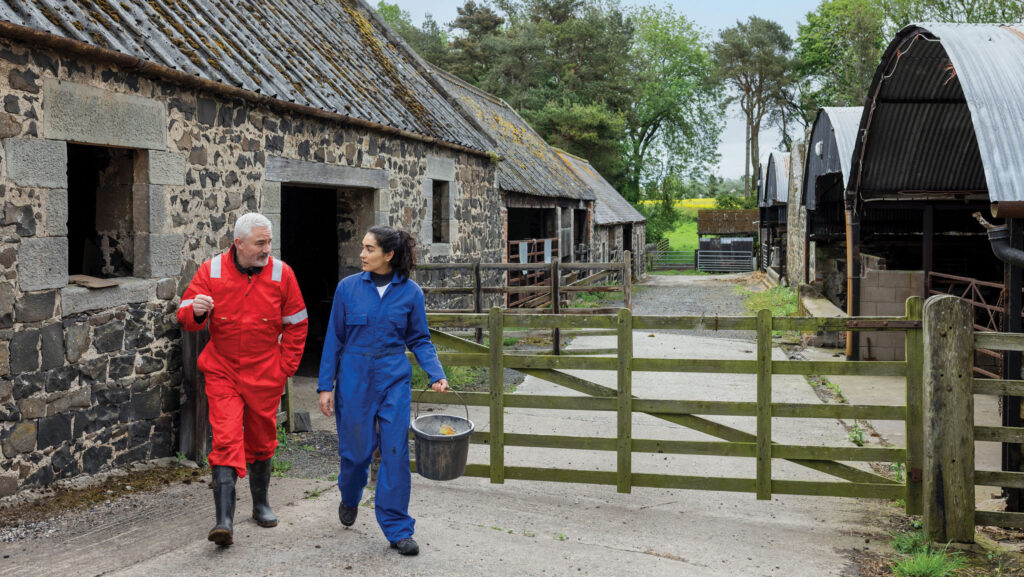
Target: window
{"x": 441, "y": 213}
{"x": 100, "y": 224}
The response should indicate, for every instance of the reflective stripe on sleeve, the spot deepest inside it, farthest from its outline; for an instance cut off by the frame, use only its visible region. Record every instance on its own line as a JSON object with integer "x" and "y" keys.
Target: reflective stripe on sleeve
{"x": 295, "y": 318}
{"x": 185, "y": 303}
{"x": 215, "y": 267}
{"x": 278, "y": 269}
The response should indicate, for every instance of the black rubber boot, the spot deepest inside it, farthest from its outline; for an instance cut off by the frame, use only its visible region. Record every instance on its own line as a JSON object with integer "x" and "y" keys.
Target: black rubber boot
{"x": 224, "y": 502}
{"x": 259, "y": 484}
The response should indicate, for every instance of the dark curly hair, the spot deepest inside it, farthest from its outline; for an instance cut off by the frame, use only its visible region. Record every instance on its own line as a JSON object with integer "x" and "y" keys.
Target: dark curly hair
{"x": 399, "y": 241}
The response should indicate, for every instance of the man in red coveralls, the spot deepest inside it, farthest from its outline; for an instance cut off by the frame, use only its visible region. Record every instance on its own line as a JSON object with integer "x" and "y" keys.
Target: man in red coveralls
{"x": 258, "y": 325}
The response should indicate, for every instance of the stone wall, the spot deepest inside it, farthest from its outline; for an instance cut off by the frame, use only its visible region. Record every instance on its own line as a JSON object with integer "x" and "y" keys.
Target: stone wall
{"x": 796, "y": 218}
{"x": 91, "y": 378}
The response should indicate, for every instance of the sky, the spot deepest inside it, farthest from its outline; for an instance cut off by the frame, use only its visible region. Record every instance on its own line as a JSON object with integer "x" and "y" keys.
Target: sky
{"x": 711, "y": 15}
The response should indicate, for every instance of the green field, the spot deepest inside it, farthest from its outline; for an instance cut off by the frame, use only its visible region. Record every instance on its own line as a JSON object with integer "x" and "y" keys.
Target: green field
{"x": 684, "y": 237}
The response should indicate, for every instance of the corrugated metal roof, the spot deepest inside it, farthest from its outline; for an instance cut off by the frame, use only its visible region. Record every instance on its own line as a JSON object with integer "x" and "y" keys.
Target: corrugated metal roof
{"x": 530, "y": 166}
{"x": 762, "y": 172}
{"x": 831, "y": 147}
{"x": 946, "y": 115}
{"x": 330, "y": 55}
{"x": 776, "y": 180}
{"x": 609, "y": 206}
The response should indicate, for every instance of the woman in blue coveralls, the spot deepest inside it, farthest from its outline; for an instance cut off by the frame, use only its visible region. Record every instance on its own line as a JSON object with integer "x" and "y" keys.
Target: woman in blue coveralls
{"x": 377, "y": 314}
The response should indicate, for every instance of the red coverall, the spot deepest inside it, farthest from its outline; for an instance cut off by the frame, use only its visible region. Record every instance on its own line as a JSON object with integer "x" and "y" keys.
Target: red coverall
{"x": 257, "y": 333}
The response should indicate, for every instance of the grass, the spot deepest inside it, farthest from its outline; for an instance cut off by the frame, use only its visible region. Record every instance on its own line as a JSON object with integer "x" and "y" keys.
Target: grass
{"x": 279, "y": 467}
{"x": 684, "y": 237}
{"x": 459, "y": 378}
{"x": 589, "y": 300}
{"x": 780, "y": 300}
{"x": 856, "y": 435}
{"x": 928, "y": 563}
{"x": 674, "y": 272}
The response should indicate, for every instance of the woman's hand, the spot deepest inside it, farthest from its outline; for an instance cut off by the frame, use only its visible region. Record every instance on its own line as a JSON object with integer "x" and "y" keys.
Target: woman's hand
{"x": 326, "y": 402}
{"x": 440, "y": 386}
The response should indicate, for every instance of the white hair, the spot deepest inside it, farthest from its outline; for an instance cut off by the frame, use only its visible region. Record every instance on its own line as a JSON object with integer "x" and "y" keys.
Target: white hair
{"x": 249, "y": 221}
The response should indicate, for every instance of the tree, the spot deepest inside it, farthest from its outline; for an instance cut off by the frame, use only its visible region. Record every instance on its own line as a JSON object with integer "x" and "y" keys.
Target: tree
{"x": 903, "y": 12}
{"x": 839, "y": 48}
{"x": 472, "y": 50}
{"x": 675, "y": 116}
{"x": 429, "y": 41}
{"x": 754, "y": 58}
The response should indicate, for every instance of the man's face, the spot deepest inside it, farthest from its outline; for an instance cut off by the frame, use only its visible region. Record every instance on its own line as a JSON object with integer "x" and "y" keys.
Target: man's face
{"x": 255, "y": 249}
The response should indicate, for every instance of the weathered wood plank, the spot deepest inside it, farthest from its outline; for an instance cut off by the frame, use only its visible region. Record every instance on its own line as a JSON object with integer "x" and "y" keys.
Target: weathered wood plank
{"x": 714, "y": 323}
{"x": 914, "y": 425}
{"x": 873, "y": 412}
{"x": 999, "y": 479}
{"x": 999, "y": 341}
{"x": 624, "y": 379}
{"x": 1000, "y": 434}
{"x": 564, "y": 321}
{"x": 861, "y": 368}
{"x": 1001, "y": 387}
{"x": 999, "y": 519}
{"x": 591, "y": 352}
{"x": 448, "y": 290}
{"x": 827, "y": 489}
{"x": 465, "y": 320}
{"x": 443, "y": 265}
{"x": 764, "y": 405}
{"x": 497, "y": 391}
{"x": 712, "y": 448}
{"x": 695, "y": 366}
{"x": 732, "y": 485}
{"x": 948, "y": 416}
{"x": 733, "y": 408}
{"x": 814, "y": 452}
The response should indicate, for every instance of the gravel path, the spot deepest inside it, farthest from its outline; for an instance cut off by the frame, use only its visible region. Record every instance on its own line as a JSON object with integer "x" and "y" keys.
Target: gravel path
{"x": 681, "y": 295}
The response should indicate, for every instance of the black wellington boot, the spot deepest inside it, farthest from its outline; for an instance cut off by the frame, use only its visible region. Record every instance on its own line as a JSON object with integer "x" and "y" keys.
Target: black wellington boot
{"x": 224, "y": 502}
{"x": 259, "y": 484}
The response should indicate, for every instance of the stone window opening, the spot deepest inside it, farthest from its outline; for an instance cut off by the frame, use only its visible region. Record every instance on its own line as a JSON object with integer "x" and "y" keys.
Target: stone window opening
{"x": 101, "y": 232}
{"x": 441, "y": 213}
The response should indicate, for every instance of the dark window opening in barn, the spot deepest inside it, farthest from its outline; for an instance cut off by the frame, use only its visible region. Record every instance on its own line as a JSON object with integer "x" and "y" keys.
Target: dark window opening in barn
{"x": 580, "y": 236}
{"x": 531, "y": 223}
{"x": 100, "y": 231}
{"x": 627, "y": 237}
{"x": 441, "y": 212}
{"x": 309, "y": 241}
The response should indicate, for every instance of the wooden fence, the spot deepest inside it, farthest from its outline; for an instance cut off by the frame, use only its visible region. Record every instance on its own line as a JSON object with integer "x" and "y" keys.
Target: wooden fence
{"x": 950, "y": 342}
{"x": 690, "y": 413}
{"x": 551, "y": 298}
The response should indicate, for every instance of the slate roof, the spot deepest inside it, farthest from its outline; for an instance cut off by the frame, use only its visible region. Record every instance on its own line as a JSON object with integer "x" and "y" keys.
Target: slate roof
{"x": 609, "y": 207}
{"x": 530, "y": 166}
{"x": 336, "y": 55}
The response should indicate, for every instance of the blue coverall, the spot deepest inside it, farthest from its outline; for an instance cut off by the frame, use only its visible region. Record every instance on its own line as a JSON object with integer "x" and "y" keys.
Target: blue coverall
{"x": 365, "y": 350}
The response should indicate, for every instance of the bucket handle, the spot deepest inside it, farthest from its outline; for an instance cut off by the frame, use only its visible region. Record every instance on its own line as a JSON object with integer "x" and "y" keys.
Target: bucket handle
{"x": 416, "y": 402}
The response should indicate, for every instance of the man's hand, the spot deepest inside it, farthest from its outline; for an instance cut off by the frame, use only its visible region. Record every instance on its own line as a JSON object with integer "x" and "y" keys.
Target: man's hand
{"x": 440, "y": 386}
{"x": 201, "y": 304}
{"x": 326, "y": 402}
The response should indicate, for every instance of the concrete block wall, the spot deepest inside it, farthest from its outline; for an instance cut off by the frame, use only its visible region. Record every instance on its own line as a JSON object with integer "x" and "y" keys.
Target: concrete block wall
{"x": 884, "y": 293}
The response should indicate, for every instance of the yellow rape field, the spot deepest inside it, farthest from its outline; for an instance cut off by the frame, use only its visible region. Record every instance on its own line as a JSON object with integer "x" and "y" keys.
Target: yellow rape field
{"x": 686, "y": 203}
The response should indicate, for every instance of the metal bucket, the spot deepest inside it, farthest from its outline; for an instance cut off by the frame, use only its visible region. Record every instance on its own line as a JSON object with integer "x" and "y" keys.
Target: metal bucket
{"x": 441, "y": 457}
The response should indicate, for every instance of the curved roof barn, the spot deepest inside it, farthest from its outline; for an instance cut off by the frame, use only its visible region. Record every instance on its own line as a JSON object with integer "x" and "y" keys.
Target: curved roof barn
{"x": 945, "y": 117}
{"x": 337, "y": 57}
{"x": 830, "y": 150}
{"x": 776, "y": 179}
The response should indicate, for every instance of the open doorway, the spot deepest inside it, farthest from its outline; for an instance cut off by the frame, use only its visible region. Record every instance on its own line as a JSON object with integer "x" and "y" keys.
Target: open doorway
{"x": 309, "y": 244}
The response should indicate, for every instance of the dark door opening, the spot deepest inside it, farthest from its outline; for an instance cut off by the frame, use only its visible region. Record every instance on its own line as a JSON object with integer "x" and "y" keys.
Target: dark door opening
{"x": 100, "y": 232}
{"x": 309, "y": 244}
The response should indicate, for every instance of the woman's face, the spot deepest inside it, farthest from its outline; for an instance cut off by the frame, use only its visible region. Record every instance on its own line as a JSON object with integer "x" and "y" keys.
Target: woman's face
{"x": 374, "y": 259}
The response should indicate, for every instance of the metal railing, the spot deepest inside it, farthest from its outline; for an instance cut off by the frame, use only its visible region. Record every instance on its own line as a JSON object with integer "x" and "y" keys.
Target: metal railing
{"x": 725, "y": 261}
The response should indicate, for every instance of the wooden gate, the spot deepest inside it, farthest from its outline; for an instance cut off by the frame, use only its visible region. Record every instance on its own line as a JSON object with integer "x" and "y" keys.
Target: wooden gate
{"x": 691, "y": 413}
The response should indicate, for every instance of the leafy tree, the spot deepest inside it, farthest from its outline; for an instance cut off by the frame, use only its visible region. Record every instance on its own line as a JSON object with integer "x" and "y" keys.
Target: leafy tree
{"x": 472, "y": 51}
{"x": 675, "y": 117}
{"x": 590, "y": 131}
{"x": 903, "y": 12}
{"x": 754, "y": 58}
{"x": 840, "y": 46}
{"x": 429, "y": 41}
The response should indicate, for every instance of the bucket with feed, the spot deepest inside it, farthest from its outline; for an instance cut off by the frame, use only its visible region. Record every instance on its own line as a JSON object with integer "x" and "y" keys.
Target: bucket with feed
{"x": 441, "y": 445}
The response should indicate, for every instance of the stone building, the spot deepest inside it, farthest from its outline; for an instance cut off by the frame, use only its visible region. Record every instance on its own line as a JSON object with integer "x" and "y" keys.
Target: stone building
{"x": 135, "y": 133}
{"x": 618, "y": 226}
{"x": 543, "y": 202}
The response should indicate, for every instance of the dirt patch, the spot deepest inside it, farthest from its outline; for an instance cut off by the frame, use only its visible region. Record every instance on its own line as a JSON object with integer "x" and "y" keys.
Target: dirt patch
{"x": 36, "y": 514}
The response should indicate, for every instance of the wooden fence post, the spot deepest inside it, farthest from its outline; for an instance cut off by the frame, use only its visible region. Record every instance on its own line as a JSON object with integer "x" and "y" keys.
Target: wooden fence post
{"x": 627, "y": 280}
{"x": 948, "y": 419}
{"x": 556, "y": 305}
{"x": 496, "y": 329}
{"x": 914, "y": 355}
{"x": 478, "y": 297}
{"x": 625, "y": 402}
{"x": 764, "y": 405}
